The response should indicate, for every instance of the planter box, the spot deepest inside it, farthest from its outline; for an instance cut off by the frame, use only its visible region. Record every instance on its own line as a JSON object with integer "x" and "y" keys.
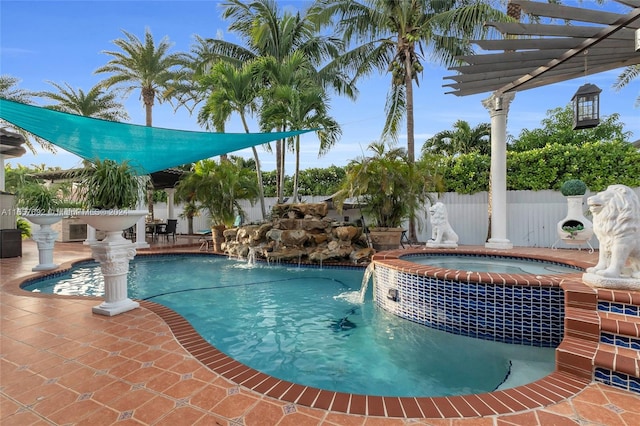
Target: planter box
{"x": 385, "y": 238}
{"x": 10, "y": 243}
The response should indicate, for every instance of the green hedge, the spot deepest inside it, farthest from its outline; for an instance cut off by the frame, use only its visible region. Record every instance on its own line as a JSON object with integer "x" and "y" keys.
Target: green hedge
{"x": 596, "y": 164}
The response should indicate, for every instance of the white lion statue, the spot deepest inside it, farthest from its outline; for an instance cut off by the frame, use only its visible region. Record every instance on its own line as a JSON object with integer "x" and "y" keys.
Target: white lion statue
{"x": 442, "y": 233}
{"x": 616, "y": 223}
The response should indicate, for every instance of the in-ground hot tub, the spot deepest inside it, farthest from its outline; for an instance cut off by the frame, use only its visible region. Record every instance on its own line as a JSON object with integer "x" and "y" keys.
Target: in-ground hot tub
{"x": 511, "y": 306}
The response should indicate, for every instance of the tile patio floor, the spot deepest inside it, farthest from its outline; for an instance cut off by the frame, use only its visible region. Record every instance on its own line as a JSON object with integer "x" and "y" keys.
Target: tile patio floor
{"x": 62, "y": 365}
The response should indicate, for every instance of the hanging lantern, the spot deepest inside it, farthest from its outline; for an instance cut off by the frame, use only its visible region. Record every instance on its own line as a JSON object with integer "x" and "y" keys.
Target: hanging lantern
{"x": 586, "y": 107}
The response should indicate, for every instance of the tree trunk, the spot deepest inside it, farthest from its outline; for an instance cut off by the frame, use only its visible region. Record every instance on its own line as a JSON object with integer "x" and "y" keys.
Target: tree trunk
{"x": 278, "y": 170}
{"x": 150, "y": 199}
{"x": 148, "y": 94}
{"x": 294, "y": 198}
{"x": 408, "y": 81}
{"x": 263, "y": 209}
{"x": 283, "y": 149}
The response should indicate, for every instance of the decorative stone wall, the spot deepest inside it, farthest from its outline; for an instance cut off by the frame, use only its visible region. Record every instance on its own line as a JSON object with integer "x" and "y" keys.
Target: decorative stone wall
{"x": 299, "y": 233}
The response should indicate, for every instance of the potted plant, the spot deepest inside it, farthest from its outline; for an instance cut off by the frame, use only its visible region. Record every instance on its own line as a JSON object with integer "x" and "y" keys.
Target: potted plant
{"x": 573, "y": 187}
{"x": 40, "y": 204}
{"x": 575, "y": 228}
{"x": 390, "y": 190}
{"x": 108, "y": 184}
{"x": 38, "y": 199}
{"x": 110, "y": 190}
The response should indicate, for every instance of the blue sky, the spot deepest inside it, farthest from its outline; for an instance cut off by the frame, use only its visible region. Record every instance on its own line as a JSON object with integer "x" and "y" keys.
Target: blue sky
{"x": 63, "y": 41}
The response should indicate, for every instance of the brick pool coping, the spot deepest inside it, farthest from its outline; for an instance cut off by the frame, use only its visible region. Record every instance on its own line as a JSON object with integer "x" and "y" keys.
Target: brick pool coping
{"x": 551, "y": 389}
{"x": 548, "y": 390}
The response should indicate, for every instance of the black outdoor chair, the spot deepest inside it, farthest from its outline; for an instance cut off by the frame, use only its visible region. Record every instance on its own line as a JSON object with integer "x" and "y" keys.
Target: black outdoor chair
{"x": 129, "y": 233}
{"x": 170, "y": 229}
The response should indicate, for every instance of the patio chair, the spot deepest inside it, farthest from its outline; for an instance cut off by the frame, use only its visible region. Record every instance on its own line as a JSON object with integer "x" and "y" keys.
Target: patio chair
{"x": 170, "y": 229}
{"x": 129, "y": 233}
{"x": 150, "y": 231}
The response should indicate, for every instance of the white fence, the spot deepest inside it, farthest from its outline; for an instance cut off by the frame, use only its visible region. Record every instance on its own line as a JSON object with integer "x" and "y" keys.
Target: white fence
{"x": 532, "y": 217}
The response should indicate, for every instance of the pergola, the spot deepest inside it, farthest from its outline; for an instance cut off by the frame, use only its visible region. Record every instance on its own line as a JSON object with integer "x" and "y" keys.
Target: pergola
{"x": 560, "y": 43}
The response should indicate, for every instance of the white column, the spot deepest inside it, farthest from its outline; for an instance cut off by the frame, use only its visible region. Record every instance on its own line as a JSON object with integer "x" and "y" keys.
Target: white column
{"x": 170, "y": 202}
{"x": 2, "y": 181}
{"x": 140, "y": 234}
{"x": 114, "y": 254}
{"x": 498, "y": 107}
{"x": 45, "y": 238}
{"x": 91, "y": 236}
{"x": 140, "y": 241}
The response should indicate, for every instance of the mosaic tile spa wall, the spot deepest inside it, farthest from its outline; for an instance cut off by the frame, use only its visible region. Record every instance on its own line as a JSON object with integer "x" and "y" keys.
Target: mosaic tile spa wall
{"x": 530, "y": 315}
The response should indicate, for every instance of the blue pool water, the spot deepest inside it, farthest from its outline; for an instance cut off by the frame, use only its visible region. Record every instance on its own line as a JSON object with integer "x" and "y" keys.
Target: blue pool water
{"x": 299, "y": 325}
{"x": 505, "y": 265}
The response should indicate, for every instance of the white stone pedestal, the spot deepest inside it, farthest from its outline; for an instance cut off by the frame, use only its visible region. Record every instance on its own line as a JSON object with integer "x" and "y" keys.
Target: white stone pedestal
{"x": 444, "y": 245}
{"x": 498, "y": 244}
{"x": 114, "y": 253}
{"x": 618, "y": 283}
{"x": 45, "y": 238}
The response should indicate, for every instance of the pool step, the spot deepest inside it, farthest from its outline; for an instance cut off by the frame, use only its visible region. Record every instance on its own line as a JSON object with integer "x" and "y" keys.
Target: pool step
{"x": 620, "y": 330}
{"x": 602, "y": 336}
{"x": 617, "y": 361}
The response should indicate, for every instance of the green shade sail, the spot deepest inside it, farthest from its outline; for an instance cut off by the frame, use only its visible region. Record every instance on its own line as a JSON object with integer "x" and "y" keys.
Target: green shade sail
{"x": 148, "y": 149}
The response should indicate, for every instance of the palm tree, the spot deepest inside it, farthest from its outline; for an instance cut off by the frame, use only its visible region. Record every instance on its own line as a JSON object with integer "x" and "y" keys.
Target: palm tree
{"x": 628, "y": 74}
{"x": 395, "y": 34}
{"x": 394, "y": 37}
{"x": 147, "y": 67}
{"x": 10, "y": 91}
{"x": 462, "y": 140}
{"x": 233, "y": 90}
{"x": 95, "y": 103}
{"x": 267, "y": 32}
{"x": 219, "y": 187}
{"x": 390, "y": 187}
{"x": 300, "y": 103}
{"x": 144, "y": 66}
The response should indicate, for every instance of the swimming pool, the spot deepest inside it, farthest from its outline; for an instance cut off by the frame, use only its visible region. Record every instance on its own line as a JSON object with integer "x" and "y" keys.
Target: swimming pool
{"x": 296, "y": 324}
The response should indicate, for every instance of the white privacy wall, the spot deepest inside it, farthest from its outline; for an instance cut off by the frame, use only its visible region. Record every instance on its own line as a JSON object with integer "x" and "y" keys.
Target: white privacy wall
{"x": 532, "y": 217}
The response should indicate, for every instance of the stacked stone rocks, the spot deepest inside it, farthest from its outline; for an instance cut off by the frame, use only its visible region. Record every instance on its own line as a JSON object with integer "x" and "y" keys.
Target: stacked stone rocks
{"x": 299, "y": 233}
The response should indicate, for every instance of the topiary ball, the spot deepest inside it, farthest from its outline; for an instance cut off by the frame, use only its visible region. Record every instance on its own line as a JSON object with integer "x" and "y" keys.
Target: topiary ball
{"x": 573, "y": 187}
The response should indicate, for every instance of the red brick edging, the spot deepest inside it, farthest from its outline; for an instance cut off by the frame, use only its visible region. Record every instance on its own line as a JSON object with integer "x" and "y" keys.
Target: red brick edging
{"x": 548, "y": 390}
